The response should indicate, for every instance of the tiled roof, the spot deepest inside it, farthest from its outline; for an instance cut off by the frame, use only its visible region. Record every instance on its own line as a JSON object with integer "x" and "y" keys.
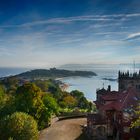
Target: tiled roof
{"x": 120, "y": 100}
{"x": 113, "y": 95}
{"x": 112, "y": 106}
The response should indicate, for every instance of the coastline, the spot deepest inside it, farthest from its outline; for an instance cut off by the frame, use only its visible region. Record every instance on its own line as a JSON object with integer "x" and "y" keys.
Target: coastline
{"x": 64, "y": 86}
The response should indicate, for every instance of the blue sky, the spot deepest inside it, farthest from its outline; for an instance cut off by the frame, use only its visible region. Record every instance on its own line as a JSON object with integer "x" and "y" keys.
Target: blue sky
{"x": 47, "y": 33}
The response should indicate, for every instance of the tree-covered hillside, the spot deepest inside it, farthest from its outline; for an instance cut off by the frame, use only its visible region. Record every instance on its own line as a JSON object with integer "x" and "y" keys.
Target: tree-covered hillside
{"x": 28, "y": 107}
{"x": 54, "y": 73}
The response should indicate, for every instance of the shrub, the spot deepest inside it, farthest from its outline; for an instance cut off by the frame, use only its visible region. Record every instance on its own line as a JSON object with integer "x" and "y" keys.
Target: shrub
{"x": 18, "y": 126}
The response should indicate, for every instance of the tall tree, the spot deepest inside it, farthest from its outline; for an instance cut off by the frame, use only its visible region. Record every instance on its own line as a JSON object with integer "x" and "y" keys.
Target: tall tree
{"x": 30, "y": 99}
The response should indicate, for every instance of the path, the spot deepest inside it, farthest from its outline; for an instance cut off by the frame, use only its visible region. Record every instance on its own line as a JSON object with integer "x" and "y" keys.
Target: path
{"x": 69, "y": 129}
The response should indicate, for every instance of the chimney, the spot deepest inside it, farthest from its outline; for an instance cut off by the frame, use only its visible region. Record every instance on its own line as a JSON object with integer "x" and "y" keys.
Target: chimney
{"x": 109, "y": 88}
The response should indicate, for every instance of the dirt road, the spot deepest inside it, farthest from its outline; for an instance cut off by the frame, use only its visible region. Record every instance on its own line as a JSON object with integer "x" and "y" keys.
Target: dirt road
{"x": 64, "y": 130}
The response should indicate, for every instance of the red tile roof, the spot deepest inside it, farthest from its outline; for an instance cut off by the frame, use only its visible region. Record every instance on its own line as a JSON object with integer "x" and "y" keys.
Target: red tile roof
{"x": 112, "y": 106}
{"x": 113, "y": 95}
{"x": 120, "y": 100}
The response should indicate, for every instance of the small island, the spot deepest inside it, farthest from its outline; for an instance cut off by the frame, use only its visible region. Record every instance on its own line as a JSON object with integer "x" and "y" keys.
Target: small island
{"x": 110, "y": 79}
{"x": 54, "y": 73}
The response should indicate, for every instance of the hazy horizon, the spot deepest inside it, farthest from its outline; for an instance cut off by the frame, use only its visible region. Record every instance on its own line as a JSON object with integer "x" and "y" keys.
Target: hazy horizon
{"x": 71, "y": 65}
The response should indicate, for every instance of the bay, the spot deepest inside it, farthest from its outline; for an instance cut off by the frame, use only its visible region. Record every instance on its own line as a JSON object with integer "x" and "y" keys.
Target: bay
{"x": 106, "y": 75}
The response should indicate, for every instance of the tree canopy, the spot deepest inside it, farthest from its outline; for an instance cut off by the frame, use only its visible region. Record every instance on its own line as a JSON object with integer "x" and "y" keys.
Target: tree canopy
{"x": 39, "y": 99}
{"x": 2, "y": 91}
{"x": 19, "y": 126}
{"x": 31, "y": 100}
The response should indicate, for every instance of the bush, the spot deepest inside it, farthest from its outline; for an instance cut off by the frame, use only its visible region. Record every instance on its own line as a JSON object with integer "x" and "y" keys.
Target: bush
{"x": 18, "y": 126}
{"x": 7, "y": 106}
{"x": 2, "y": 91}
{"x": 51, "y": 104}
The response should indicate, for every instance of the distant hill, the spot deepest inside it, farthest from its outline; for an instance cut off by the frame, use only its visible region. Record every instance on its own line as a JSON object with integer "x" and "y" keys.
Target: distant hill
{"x": 87, "y": 66}
{"x": 54, "y": 73}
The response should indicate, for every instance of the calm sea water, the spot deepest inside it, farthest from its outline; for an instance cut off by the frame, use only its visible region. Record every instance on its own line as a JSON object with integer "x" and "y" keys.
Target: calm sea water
{"x": 11, "y": 71}
{"x": 88, "y": 85}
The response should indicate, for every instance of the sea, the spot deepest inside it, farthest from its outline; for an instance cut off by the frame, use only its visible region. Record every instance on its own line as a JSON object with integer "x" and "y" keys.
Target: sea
{"x": 106, "y": 75}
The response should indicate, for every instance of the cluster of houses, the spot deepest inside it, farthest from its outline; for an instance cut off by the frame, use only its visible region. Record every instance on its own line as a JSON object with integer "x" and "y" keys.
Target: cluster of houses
{"x": 116, "y": 110}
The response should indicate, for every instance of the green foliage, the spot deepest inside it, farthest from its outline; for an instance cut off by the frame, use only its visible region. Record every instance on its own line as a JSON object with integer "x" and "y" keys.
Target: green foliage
{"x": 70, "y": 101}
{"x": 54, "y": 73}
{"x": 28, "y": 98}
{"x": 50, "y": 86}
{"x": 51, "y": 104}
{"x": 49, "y": 107}
{"x": 56, "y": 91}
{"x": 31, "y": 100}
{"x": 18, "y": 126}
{"x": 43, "y": 85}
{"x": 7, "y": 105}
{"x": 92, "y": 107}
{"x": 2, "y": 91}
{"x": 75, "y": 99}
{"x": 136, "y": 123}
{"x": 63, "y": 104}
{"x": 77, "y": 94}
{"x": 10, "y": 82}
{"x": 82, "y": 102}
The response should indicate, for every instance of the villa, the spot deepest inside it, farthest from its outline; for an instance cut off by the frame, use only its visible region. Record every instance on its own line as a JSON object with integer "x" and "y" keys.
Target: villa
{"x": 115, "y": 110}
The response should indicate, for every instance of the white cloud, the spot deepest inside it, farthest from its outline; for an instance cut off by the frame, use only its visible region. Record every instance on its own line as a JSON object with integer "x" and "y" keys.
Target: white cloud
{"x": 56, "y": 45}
{"x": 66, "y": 20}
{"x": 133, "y": 36}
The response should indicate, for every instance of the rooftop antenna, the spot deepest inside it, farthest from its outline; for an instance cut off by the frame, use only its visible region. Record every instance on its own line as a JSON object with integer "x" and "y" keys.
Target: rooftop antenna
{"x": 134, "y": 66}
{"x": 103, "y": 85}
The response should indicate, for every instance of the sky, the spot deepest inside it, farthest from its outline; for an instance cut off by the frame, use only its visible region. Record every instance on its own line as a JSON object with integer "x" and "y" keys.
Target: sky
{"x": 48, "y": 33}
